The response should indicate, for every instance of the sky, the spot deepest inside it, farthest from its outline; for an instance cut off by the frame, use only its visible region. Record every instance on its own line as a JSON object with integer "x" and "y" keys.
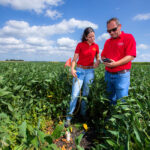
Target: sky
{"x": 49, "y": 30}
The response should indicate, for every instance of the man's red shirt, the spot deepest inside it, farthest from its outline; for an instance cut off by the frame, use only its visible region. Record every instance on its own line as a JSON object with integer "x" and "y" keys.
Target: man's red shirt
{"x": 118, "y": 48}
{"x": 86, "y": 53}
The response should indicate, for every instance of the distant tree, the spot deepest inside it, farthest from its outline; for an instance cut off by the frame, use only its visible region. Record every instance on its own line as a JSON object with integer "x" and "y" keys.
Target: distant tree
{"x": 14, "y": 60}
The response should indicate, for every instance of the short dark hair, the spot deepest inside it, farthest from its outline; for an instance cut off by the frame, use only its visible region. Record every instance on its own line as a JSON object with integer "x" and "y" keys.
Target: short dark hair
{"x": 114, "y": 19}
{"x": 86, "y": 32}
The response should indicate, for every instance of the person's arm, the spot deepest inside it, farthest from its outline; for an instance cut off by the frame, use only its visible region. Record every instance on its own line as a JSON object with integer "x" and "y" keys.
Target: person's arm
{"x": 96, "y": 64}
{"x": 120, "y": 62}
{"x": 73, "y": 71}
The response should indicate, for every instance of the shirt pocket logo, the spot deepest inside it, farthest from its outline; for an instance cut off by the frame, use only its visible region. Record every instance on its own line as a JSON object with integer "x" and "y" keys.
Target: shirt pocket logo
{"x": 120, "y": 44}
{"x": 94, "y": 49}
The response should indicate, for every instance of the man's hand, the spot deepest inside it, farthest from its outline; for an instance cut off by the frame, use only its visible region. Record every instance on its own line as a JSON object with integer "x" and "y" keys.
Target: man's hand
{"x": 120, "y": 62}
{"x": 111, "y": 64}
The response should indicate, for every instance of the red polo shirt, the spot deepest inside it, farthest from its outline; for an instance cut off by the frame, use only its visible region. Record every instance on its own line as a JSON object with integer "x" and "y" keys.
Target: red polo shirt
{"x": 118, "y": 48}
{"x": 86, "y": 53}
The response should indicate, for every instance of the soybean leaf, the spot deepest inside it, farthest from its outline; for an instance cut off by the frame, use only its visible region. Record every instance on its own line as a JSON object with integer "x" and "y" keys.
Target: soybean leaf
{"x": 35, "y": 142}
{"x": 57, "y": 132}
{"x": 22, "y": 129}
{"x": 78, "y": 139}
{"x": 111, "y": 142}
{"x": 137, "y": 134}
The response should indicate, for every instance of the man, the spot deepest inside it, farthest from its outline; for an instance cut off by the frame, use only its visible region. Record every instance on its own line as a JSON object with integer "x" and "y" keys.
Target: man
{"x": 120, "y": 50}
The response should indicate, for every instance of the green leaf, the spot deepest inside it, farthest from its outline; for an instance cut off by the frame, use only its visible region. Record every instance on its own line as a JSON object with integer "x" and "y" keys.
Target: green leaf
{"x": 105, "y": 113}
{"x": 57, "y": 132}
{"x": 4, "y": 92}
{"x": 79, "y": 147}
{"x": 49, "y": 139}
{"x": 116, "y": 133}
{"x": 78, "y": 139}
{"x": 4, "y": 116}
{"x": 51, "y": 147}
{"x": 111, "y": 142}
{"x": 137, "y": 134}
{"x": 125, "y": 107}
{"x": 9, "y": 106}
{"x": 17, "y": 87}
{"x": 1, "y": 79}
{"x": 128, "y": 142}
{"x": 112, "y": 119}
{"x": 21, "y": 147}
{"x": 35, "y": 142}
{"x": 30, "y": 128}
{"x": 41, "y": 136}
{"x": 118, "y": 116}
{"x": 22, "y": 129}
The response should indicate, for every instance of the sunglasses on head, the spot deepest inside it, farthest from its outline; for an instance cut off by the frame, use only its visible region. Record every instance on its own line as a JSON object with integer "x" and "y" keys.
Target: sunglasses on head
{"x": 114, "y": 29}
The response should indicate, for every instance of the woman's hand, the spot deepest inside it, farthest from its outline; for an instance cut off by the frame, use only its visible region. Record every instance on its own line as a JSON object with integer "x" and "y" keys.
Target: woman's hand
{"x": 73, "y": 72}
{"x": 96, "y": 64}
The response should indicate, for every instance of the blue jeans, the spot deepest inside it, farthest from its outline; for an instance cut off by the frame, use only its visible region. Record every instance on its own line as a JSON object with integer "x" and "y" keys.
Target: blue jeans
{"x": 117, "y": 85}
{"x": 85, "y": 78}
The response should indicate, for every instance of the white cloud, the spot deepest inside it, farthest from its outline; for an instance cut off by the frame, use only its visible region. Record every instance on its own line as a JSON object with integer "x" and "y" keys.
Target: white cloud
{"x": 104, "y": 36}
{"x": 22, "y": 29}
{"x": 38, "y": 41}
{"x": 82, "y": 24}
{"x": 15, "y": 28}
{"x": 142, "y": 46}
{"x": 35, "y": 5}
{"x": 18, "y": 39}
{"x": 53, "y": 14}
{"x": 142, "y": 17}
{"x": 143, "y": 58}
{"x": 9, "y": 40}
{"x": 29, "y": 50}
{"x": 67, "y": 43}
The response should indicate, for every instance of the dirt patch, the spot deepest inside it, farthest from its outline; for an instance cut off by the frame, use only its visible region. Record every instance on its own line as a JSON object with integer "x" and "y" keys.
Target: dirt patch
{"x": 86, "y": 142}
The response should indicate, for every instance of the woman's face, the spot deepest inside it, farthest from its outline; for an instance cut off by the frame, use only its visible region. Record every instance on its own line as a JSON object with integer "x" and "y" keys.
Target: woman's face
{"x": 90, "y": 37}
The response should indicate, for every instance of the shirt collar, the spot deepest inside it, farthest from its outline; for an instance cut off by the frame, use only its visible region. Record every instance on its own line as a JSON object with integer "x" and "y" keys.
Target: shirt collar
{"x": 120, "y": 36}
{"x": 88, "y": 44}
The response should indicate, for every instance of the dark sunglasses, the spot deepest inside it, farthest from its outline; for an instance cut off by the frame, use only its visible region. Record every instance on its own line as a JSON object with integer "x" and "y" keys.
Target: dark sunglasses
{"x": 114, "y": 29}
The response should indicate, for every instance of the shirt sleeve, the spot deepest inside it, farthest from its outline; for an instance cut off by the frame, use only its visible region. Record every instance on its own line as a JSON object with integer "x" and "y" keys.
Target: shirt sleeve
{"x": 97, "y": 52}
{"x": 130, "y": 46}
{"x": 104, "y": 50}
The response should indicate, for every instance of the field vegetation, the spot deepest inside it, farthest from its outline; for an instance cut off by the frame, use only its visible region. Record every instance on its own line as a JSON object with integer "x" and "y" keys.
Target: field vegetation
{"x": 34, "y": 97}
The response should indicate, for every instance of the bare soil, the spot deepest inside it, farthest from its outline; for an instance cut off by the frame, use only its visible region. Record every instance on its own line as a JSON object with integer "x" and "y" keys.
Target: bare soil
{"x": 86, "y": 142}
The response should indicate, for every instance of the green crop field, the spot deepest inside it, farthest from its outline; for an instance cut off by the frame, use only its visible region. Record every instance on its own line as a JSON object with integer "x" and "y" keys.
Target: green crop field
{"x": 36, "y": 95}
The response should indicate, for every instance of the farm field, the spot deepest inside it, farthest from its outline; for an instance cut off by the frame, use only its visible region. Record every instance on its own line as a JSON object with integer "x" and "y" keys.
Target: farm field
{"x": 34, "y": 97}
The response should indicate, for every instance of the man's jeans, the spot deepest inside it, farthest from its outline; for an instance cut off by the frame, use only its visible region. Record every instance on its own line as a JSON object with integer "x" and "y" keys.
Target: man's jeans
{"x": 117, "y": 85}
{"x": 85, "y": 78}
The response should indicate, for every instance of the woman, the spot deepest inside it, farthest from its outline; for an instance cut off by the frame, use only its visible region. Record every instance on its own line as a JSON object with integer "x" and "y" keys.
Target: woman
{"x": 85, "y": 53}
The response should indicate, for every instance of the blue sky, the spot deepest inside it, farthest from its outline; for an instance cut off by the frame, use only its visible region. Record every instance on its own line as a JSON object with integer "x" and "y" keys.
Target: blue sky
{"x": 49, "y": 30}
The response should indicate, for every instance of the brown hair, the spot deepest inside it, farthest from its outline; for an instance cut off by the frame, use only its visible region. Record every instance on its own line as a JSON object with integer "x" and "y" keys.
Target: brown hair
{"x": 114, "y": 19}
{"x": 86, "y": 32}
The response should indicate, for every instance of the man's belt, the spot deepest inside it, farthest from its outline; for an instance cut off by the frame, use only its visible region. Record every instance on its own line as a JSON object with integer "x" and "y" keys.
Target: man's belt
{"x": 122, "y": 71}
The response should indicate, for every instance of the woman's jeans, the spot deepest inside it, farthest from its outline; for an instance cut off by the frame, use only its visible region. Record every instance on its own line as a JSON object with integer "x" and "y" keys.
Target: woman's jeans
{"x": 117, "y": 85}
{"x": 85, "y": 78}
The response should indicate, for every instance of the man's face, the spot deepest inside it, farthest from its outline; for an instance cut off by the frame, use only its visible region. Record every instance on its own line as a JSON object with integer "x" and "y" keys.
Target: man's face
{"x": 113, "y": 29}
